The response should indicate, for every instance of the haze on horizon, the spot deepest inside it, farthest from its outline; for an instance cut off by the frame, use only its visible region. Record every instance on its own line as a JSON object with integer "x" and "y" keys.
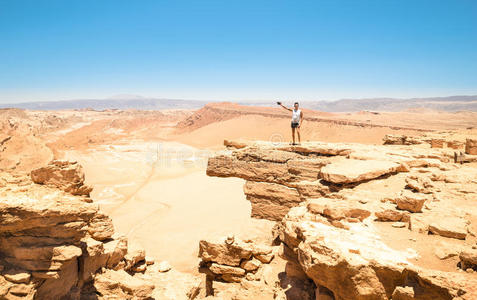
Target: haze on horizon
{"x": 237, "y": 51}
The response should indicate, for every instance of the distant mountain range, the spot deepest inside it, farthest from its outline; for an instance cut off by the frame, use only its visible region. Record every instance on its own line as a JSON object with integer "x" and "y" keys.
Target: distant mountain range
{"x": 452, "y": 103}
{"x": 135, "y": 102}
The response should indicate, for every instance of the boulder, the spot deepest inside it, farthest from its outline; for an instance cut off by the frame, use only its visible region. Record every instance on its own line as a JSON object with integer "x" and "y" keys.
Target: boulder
{"x": 65, "y": 175}
{"x": 134, "y": 255}
{"x": 250, "y": 265}
{"x": 468, "y": 259}
{"x": 164, "y": 266}
{"x": 224, "y": 254}
{"x": 411, "y": 202}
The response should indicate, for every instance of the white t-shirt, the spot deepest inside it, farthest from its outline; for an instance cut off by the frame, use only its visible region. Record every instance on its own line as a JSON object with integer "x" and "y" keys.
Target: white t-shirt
{"x": 296, "y": 115}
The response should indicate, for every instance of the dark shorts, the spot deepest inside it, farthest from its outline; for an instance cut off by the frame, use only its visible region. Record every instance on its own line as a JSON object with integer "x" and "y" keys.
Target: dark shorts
{"x": 294, "y": 125}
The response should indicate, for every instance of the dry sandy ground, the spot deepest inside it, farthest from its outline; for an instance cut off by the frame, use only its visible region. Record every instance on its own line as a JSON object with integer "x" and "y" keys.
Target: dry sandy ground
{"x": 167, "y": 207}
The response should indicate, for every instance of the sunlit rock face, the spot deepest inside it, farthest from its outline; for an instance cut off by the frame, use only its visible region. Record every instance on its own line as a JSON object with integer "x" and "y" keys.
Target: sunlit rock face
{"x": 397, "y": 221}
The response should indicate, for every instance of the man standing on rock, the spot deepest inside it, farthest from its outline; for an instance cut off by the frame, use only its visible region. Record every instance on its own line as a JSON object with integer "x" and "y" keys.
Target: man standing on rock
{"x": 297, "y": 119}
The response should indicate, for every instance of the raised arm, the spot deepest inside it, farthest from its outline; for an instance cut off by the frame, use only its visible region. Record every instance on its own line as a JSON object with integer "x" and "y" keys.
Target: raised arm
{"x": 285, "y": 107}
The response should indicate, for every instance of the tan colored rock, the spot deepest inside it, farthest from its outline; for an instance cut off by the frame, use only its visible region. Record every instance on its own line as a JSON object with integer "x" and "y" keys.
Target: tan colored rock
{"x": 270, "y": 201}
{"x": 149, "y": 260}
{"x": 265, "y": 258}
{"x": 455, "y": 144}
{"x": 140, "y": 267}
{"x": 390, "y": 139}
{"x": 231, "y": 278}
{"x": 251, "y": 265}
{"x": 471, "y": 146}
{"x": 134, "y": 255}
{"x": 16, "y": 276}
{"x": 418, "y": 224}
{"x": 265, "y": 155}
{"x": 468, "y": 259}
{"x": 312, "y": 189}
{"x": 371, "y": 270}
{"x": 260, "y": 249}
{"x": 437, "y": 143}
{"x": 411, "y": 202}
{"x": 164, "y": 266}
{"x": 403, "y": 293}
{"x": 334, "y": 209}
{"x": 66, "y": 253}
{"x": 274, "y": 192}
{"x": 451, "y": 227}
{"x": 120, "y": 285}
{"x": 93, "y": 258}
{"x": 221, "y": 253}
{"x": 101, "y": 227}
{"x": 115, "y": 250}
{"x": 46, "y": 275}
{"x": 352, "y": 171}
{"x": 223, "y": 269}
{"x": 65, "y": 175}
{"x": 227, "y": 166}
{"x": 399, "y": 224}
{"x": 306, "y": 169}
{"x": 235, "y": 144}
{"x": 445, "y": 251}
{"x": 391, "y": 215}
{"x": 419, "y": 184}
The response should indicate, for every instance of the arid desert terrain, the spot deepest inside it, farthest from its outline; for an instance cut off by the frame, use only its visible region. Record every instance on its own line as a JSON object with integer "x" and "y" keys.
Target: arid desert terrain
{"x": 213, "y": 203}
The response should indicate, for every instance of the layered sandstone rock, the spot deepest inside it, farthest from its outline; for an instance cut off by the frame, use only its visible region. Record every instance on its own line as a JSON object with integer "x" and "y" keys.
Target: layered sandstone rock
{"x": 65, "y": 175}
{"x": 353, "y": 170}
{"x": 364, "y": 222}
{"x": 54, "y": 245}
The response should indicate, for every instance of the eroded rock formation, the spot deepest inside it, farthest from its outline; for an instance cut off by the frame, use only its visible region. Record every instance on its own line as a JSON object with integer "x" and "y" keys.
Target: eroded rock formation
{"x": 65, "y": 175}
{"x": 365, "y": 222}
{"x": 55, "y": 244}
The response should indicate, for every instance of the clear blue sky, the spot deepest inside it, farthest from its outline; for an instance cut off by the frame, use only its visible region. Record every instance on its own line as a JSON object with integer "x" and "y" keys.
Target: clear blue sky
{"x": 237, "y": 50}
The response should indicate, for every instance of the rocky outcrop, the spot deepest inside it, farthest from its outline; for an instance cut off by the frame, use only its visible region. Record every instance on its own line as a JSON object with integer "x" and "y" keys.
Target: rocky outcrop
{"x": 54, "y": 245}
{"x": 236, "y": 269}
{"x": 361, "y": 220}
{"x": 65, "y": 175}
{"x": 281, "y": 176}
{"x": 354, "y": 265}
